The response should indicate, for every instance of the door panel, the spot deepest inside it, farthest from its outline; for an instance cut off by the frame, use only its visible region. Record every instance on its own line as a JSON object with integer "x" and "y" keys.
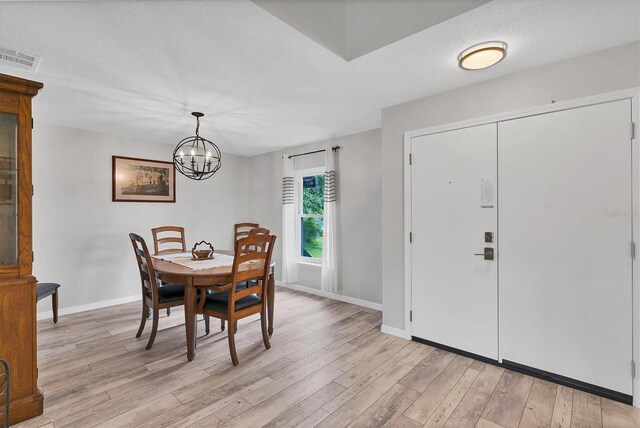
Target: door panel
{"x": 565, "y": 230}
{"x": 454, "y": 292}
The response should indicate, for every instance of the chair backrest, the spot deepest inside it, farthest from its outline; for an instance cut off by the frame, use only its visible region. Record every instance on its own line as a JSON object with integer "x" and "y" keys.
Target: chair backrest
{"x": 259, "y": 231}
{"x": 241, "y": 230}
{"x": 253, "y": 267}
{"x": 148, "y": 278}
{"x": 253, "y": 232}
{"x": 175, "y": 236}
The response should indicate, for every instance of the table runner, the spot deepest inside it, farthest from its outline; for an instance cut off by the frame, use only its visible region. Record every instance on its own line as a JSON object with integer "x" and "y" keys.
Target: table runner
{"x": 185, "y": 259}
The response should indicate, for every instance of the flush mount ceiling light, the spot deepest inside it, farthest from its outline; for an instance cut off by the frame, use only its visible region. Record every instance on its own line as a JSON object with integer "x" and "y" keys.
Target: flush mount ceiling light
{"x": 196, "y": 157}
{"x": 482, "y": 55}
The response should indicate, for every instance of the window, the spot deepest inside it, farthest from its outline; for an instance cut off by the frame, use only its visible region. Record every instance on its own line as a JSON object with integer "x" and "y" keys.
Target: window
{"x": 310, "y": 209}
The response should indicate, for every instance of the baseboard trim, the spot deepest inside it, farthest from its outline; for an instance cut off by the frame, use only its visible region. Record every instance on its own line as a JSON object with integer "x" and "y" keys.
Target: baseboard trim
{"x": 395, "y": 331}
{"x": 340, "y": 297}
{"x": 89, "y": 307}
{"x": 26, "y": 407}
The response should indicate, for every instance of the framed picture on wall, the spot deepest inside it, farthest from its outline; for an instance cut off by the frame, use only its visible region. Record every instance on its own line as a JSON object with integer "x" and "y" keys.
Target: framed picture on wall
{"x": 142, "y": 180}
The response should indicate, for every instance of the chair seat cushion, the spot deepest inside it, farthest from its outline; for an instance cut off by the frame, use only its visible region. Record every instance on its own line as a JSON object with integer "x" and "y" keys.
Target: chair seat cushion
{"x": 170, "y": 293}
{"x": 45, "y": 289}
{"x": 243, "y": 284}
{"x": 219, "y": 302}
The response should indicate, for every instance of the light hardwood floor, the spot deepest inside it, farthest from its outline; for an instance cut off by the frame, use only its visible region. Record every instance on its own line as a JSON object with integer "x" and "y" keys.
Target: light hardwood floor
{"x": 329, "y": 366}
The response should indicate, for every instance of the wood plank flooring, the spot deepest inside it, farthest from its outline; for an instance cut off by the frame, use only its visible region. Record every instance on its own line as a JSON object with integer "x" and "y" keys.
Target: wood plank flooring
{"x": 329, "y": 366}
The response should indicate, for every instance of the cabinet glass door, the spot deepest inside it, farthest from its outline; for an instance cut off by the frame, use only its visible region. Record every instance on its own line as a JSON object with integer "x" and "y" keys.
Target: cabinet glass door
{"x": 8, "y": 189}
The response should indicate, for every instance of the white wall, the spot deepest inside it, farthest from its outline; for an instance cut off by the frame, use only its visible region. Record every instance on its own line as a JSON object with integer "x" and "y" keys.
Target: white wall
{"x": 81, "y": 236}
{"x": 600, "y": 72}
{"x": 358, "y": 170}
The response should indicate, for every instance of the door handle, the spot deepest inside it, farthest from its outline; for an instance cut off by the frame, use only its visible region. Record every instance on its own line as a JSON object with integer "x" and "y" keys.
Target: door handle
{"x": 488, "y": 253}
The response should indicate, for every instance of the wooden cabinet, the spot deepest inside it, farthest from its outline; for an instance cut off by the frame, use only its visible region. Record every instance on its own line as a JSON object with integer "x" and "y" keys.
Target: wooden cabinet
{"x": 18, "y": 344}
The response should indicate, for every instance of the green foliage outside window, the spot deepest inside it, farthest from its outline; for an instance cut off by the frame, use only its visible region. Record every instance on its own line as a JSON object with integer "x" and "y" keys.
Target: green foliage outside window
{"x": 311, "y": 227}
{"x": 313, "y": 197}
{"x": 312, "y": 237}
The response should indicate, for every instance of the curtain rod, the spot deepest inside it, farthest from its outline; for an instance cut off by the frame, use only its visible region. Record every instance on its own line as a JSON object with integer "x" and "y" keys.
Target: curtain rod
{"x": 334, "y": 148}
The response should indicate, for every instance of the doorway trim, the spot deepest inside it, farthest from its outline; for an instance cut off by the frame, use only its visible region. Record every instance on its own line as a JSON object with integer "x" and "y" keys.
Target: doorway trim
{"x": 634, "y": 95}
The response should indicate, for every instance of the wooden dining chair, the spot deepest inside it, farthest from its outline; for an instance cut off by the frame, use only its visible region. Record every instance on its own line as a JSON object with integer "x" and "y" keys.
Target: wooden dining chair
{"x": 154, "y": 297}
{"x": 175, "y": 236}
{"x": 247, "y": 249}
{"x": 46, "y": 289}
{"x": 5, "y": 393}
{"x": 233, "y": 304}
{"x": 168, "y": 235}
{"x": 241, "y": 230}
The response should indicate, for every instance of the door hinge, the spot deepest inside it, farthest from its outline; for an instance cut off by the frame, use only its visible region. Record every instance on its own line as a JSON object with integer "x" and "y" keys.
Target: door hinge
{"x": 633, "y": 368}
{"x": 32, "y": 190}
{"x": 31, "y": 123}
{"x": 633, "y": 130}
{"x": 33, "y": 257}
{"x": 633, "y": 250}
{"x": 410, "y": 159}
{"x": 411, "y": 316}
{"x": 410, "y": 237}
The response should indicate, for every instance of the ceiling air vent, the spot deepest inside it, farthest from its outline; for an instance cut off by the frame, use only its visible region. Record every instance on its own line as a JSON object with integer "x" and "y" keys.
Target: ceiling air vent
{"x": 19, "y": 59}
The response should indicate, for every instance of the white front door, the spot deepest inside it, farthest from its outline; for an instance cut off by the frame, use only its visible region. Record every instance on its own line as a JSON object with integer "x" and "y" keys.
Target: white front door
{"x": 565, "y": 221}
{"x": 454, "y": 289}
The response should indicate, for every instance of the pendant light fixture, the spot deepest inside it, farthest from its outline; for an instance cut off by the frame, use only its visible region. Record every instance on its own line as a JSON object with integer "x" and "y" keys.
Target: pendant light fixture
{"x": 195, "y": 157}
{"x": 482, "y": 55}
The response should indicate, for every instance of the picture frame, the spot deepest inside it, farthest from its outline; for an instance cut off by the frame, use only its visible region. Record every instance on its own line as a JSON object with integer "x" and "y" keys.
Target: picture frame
{"x": 142, "y": 180}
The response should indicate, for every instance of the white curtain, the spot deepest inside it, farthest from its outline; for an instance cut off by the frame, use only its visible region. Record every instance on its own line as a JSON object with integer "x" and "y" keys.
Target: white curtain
{"x": 329, "y": 278}
{"x": 289, "y": 267}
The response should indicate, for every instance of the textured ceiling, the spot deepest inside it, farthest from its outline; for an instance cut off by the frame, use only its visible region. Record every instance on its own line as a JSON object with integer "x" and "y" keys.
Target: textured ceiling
{"x": 138, "y": 68}
{"x": 352, "y": 28}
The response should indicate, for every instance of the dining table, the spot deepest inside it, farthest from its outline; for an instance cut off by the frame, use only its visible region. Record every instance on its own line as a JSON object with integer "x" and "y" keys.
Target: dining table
{"x": 217, "y": 279}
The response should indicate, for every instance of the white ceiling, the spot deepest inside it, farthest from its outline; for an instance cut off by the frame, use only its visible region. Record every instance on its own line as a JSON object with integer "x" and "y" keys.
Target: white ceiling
{"x": 138, "y": 68}
{"x": 352, "y": 28}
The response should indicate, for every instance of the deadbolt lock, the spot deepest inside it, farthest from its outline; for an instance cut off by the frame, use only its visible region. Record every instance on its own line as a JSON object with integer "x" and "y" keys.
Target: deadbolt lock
{"x": 488, "y": 237}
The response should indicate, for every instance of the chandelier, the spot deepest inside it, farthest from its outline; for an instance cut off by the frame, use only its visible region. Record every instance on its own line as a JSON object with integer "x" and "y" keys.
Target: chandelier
{"x": 195, "y": 157}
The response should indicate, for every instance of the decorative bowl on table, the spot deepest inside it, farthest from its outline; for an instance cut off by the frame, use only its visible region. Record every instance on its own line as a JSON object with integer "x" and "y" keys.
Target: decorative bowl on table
{"x": 206, "y": 254}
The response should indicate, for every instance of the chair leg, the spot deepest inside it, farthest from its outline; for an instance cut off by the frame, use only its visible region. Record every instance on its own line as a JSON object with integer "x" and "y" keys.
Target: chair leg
{"x": 206, "y": 324}
{"x": 221, "y": 325}
{"x": 54, "y": 302}
{"x": 195, "y": 333}
{"x": 143, "y": 321}
{"x": 154, "y": 328}
{"x": 263, "y": 325}
{"x": 168, "y": 311}
{"x": 232, "y": 347}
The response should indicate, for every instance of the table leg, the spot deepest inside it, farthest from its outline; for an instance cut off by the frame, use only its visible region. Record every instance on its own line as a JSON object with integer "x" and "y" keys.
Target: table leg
{"x": 271, "y": 296}
{"x": 190, "y": 319}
